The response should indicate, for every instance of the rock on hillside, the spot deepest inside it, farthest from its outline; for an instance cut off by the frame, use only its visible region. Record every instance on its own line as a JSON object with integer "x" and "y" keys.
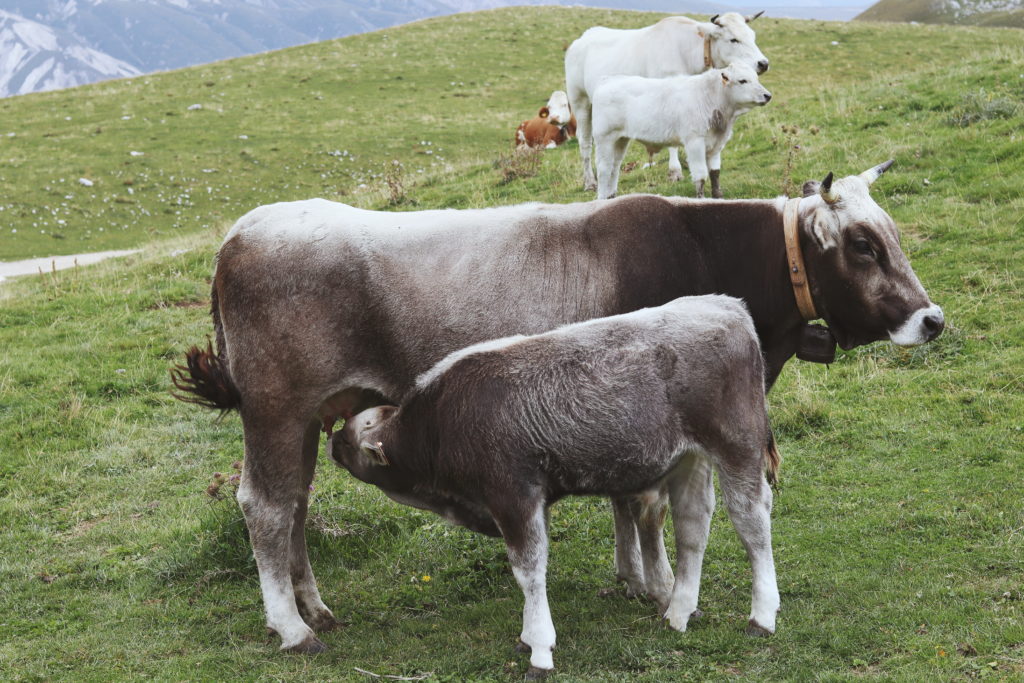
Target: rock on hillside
{"x": 968, "y": 12}
{"x": 36, "y": 57}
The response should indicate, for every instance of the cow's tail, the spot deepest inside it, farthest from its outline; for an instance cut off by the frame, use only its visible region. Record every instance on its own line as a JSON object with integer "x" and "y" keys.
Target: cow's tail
{"x": 204, "y": 379}
{"x": 772, "y": 459}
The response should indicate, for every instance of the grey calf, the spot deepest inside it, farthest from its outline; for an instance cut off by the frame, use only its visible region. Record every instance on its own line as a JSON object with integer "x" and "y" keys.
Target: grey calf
{"x": 632, "y": 403}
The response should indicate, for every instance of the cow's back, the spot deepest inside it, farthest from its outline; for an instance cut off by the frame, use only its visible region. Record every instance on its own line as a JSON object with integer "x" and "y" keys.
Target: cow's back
{"x": 321, "y": 295}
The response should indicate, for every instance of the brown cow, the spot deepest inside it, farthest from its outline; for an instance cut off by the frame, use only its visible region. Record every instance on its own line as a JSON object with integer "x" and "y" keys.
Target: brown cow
{"x": 322, "y": 310}
{"x": 553, "y": 125}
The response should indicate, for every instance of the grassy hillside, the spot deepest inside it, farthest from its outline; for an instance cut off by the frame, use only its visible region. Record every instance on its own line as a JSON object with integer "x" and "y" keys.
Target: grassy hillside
{"x": 966, "y": 12}
{"x": 898, "y": 524}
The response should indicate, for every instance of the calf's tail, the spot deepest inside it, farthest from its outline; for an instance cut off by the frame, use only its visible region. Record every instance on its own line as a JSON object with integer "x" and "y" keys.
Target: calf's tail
{"x": 771, "y": 460}
{"x": 204, "y": 379}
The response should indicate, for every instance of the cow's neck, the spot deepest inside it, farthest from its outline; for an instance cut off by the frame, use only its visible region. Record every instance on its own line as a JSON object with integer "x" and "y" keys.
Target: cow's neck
{"x": 743, "y": 254}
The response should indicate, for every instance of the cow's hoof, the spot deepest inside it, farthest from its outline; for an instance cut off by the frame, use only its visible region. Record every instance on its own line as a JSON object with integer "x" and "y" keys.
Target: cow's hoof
{"x": 590, "y": 187}
{"x": 755, "y": 630}
{"x": 717, "y": 194}
{"x": 535, "y": 673}
{"x": 696, "y": 614}
{"x": 522, "y": 648}
{"x": 675, "y": 176}
{"x": 310, "y": 646}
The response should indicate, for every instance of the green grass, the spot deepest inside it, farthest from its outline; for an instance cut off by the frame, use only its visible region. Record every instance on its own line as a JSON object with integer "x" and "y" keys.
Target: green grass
{"x": 898, "y": 525}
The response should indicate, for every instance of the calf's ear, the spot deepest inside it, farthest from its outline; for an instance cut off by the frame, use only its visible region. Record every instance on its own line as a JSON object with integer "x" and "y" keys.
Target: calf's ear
{"x": 375, "y": 452}
{"x": 543, "y": 113}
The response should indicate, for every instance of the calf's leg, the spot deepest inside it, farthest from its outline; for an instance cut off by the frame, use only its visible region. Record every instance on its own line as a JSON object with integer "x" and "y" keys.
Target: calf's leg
{"x": 269, "y": 497}
{"x": 526, "y": 537}
{"x": 675, "y": 169}
{"x": 697, "y": 162}
{"x": 653, "y": 506}
{"x": 629, "y": 567}
{"x": 692, "y": 492}
{"x": 749, "y": 501}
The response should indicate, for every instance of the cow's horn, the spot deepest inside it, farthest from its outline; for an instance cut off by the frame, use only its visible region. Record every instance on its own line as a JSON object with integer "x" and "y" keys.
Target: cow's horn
{"x": 871, "y": 175}
{"x": 754, "y": 16}
{"x": 714, "y": 20}
{"x": 826, "y": 190}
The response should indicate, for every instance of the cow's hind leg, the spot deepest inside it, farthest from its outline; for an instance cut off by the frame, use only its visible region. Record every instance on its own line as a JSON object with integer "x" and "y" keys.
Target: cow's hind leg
{"x": 749, "y": 501}
{"x": 692, "y": 492}
{"x": 526, "y": 536}
{"x": 651, "y": 508}
{"x": 269, "y": 497}
{"x": 314, "y": 612}
{"x": 629, "y": 567}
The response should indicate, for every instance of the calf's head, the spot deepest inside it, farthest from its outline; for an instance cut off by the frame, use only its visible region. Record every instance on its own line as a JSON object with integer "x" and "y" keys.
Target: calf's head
{"x": 360, "y": 448}
{"x": 861, "y": 281}
{"x": 733, "y": 41}
{"x": 742, "y": 89}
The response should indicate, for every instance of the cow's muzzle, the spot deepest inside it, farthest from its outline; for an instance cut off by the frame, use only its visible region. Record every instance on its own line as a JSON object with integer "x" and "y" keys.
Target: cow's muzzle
{"x": 923, "y": 326}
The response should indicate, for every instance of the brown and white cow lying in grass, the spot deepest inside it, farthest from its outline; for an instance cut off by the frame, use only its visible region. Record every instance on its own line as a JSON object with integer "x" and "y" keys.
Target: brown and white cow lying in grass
{"x": 553, "y": 125}
{"x": 696, "y": 112}
{"x": 614, "y": 406}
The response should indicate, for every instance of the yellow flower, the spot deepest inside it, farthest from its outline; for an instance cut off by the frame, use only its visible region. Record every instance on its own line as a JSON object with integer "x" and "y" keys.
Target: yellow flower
{"x": 425, "y": 578}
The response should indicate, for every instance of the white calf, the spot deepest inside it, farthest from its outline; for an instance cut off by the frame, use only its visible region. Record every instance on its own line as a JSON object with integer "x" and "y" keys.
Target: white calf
{"x": 695, "y": 112}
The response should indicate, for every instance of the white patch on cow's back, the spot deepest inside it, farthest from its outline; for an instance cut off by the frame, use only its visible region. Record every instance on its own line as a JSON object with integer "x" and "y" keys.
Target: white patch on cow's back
{"x": 454, "y": 357}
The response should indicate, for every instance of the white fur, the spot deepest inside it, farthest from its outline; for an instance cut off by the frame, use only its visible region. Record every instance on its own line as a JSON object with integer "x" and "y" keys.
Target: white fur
{"x": 559, "y": 112}
{"x": 673, "y": 46}
{"x": 913, "y": 332}
{"x": 661, "y": 112}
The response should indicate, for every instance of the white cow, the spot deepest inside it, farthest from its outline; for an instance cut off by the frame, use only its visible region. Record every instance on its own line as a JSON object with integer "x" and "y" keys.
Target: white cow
{"x": 673, "y": 46}
{"x": 696, "y": 112}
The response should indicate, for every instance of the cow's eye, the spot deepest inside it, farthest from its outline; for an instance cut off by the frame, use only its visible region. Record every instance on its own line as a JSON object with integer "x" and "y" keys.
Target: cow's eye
{"x": 863, "y": 247}
{"x": 743, "y": 81}
{"x": 734, "y": 40}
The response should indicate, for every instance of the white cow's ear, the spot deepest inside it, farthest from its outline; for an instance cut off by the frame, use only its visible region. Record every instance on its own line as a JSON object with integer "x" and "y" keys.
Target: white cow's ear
{"x": 725, "y": 77}
{"x": 706, "y": 28}
{"x": 824, "y": 229}
{"x": 374, "y": 451}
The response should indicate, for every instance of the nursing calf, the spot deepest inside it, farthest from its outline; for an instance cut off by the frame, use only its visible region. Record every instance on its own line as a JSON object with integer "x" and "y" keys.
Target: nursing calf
{"x": 496, "y": 432}
{"x": 696, "y": 112}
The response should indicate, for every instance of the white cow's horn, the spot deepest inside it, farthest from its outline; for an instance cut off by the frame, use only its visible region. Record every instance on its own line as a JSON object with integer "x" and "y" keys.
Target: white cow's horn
{"x": 826, "y": 190}
{"x": 714, "y": 20}
{"x": 871, "y": 175}
{"x": 754, "y": 16}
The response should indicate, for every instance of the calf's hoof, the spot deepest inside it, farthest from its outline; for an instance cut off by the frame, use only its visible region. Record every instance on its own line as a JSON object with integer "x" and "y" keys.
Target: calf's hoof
{"x": 717, "y": 194}
{"x": 535, "y": 673}
{"x": 310, "y": 646}
{"x": 322, "y": 623}
{"x": 755, "y": 630}
{"x": 522, "y": 648}
{"x": 675, "y": 176}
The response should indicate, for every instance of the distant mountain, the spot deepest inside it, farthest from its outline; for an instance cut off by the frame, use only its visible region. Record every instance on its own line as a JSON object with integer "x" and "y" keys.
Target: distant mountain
{"x": 969, "y": 12}
{"x": 48, "y": 44}
{"x": 36, "y": 57}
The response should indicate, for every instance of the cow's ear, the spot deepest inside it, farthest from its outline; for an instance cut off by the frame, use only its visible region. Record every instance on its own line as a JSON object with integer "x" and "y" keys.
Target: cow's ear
{"x": 543, "y": 113}
{"x": 810, "y": 188}
{"x": 374, "y": 451}
{"x": 725, "y": 77}
{"x": 824, "y": 229}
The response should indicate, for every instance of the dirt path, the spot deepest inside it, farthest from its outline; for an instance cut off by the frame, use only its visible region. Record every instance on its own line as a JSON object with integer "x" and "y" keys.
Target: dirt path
{"x": 49, "y": 263}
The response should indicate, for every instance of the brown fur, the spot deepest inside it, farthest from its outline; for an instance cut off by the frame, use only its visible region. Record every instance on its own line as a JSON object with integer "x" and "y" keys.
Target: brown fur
{"x": 538, "y": 132}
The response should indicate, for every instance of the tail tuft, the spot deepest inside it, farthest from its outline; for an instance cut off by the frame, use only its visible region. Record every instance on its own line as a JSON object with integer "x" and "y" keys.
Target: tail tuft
{"x": 204, "y": 380}
{"x": 772, "y": 459}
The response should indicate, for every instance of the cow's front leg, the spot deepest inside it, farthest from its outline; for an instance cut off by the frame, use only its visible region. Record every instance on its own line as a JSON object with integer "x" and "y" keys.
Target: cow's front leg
{"x": 526, "y": 537}
{"x": 610, "y": 153}
{"x": 697, "y": 162}
{"x": 314, "y": 612}
{"x": 675, "y": 169}
{"x": 692, "y": 492}
{"x": 268, "y": 496}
